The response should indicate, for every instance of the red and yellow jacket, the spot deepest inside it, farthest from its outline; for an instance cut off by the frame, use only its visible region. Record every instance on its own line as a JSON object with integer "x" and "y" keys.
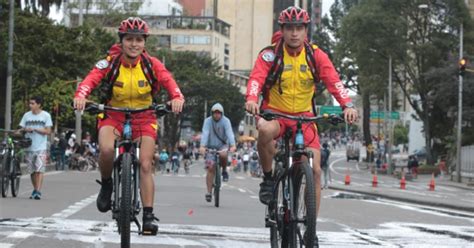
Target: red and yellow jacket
{"x": 131, "y": 89}
{"x": 295, "y": 91}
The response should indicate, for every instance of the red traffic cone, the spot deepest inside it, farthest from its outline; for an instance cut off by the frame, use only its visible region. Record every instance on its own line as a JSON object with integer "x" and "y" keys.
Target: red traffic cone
{"x": 432, "y": 183}
{"x": 347, "y": 180}
{"x": 403, "y": 182}
{"x": 374, "y": 181}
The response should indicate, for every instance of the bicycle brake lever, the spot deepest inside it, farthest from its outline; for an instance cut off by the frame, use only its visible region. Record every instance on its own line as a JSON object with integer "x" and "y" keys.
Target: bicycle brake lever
{"x": 267, "y": 115}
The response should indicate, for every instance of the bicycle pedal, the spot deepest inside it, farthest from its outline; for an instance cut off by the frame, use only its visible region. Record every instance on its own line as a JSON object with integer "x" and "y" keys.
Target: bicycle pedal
{"x": 269, "y": 223}
{"x": 149, "y": 233}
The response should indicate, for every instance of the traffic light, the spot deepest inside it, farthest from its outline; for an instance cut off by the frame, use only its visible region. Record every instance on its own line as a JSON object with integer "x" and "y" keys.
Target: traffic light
{"x": 462, "y": 66}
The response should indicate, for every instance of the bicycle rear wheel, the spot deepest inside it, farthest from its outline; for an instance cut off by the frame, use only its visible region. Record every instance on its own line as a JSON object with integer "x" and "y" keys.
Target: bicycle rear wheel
{"x": 217, "y": 185}
{"x": 278, "y": 213}
{"x": 304, "y": 227}
{"x": 5, "y": 174}
{"x": 15, "y": 177}
{"x": 125, "y": 200}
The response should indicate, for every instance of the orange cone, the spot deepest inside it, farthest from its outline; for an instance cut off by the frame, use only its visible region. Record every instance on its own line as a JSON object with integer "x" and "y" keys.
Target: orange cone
{"x": 432, "y": 183}
{"x": 403, "y": 182}
{"x": 347, "y": 180}
{"x": 374, "y": 181}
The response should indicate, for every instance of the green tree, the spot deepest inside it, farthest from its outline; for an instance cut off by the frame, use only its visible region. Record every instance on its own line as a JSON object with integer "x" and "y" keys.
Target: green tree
{"x": 198, "y": 78}
{"x": 417, "y": 40}
{"x": 47, "y": 59}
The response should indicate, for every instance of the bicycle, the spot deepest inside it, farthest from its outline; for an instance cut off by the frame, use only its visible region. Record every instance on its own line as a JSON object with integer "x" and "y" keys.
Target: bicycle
{"x": 11, "y": 171}
{"x": 291, "y": 214}
{"x": 126, "y": 170}
{"x": 213, "y": 154}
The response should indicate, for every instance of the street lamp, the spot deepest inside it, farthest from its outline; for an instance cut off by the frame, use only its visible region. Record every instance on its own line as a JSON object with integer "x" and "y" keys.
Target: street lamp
{"x": 8, "y": 98}
{"x": 389, "y": 114}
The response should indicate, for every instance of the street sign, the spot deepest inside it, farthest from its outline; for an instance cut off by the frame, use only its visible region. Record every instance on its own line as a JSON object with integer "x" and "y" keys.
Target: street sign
{"x": 381, "y": 115}
{"x": 330, "y": 110}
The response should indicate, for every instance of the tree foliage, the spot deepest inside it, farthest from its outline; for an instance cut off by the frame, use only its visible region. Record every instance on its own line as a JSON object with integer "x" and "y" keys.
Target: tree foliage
{"x": 47, "y": 60}
{"x": 198, "y": 78}
{"x": 421, "y": 42}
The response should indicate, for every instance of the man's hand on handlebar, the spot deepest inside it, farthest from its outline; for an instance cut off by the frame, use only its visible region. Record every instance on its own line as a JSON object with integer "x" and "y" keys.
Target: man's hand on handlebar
{"x": 252, "y": 107}
{"x": 177, "y": 105}
{"x": 350, "y": 115}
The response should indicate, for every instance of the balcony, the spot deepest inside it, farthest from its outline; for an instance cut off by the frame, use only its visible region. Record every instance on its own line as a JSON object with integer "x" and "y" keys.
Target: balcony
{"x": 188, "y": 22}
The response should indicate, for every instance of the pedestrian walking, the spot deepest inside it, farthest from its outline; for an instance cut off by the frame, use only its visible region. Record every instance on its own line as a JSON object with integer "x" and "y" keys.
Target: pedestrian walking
{"x": 37, "y": 124}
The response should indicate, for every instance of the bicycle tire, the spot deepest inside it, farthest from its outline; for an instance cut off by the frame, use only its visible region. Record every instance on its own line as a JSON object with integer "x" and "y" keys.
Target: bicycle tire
{"x": 279, "y": 231}
{"x": 304, "y": 206}
{"x": 5, "y": 174}
{"x": 15, "y": 177}
{"x": 125, "y": 199}
{"x": 217, "y": 185}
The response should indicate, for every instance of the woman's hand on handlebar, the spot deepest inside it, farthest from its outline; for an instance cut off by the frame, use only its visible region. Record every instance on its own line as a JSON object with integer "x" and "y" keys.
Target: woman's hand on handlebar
{"x": 80, "y": 103}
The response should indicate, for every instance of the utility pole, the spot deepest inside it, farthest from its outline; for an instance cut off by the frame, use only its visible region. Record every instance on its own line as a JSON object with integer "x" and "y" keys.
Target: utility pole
{"x": 390, "y": 126}
{"x": 8, "y": 98}
{"x": 459, "y": 129}
{"x": 78, "y": 130}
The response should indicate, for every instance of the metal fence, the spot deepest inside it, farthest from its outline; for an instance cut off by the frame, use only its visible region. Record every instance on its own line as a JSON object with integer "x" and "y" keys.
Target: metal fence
{"x": 467, "y": 161}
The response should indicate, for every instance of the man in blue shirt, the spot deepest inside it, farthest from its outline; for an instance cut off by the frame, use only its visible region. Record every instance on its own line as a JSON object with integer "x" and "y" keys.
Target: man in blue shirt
{"x": 37, "y": 124}
{"x": 217, "y": 134}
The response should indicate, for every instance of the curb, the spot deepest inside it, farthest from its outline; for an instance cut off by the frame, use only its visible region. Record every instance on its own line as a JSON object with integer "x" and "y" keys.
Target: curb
{"x": 402, "y": 199}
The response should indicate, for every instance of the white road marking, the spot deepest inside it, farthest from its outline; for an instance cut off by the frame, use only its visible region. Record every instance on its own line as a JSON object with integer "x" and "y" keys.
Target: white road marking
{"x": 76, "y": 207}
{"x": 392, "y": 234}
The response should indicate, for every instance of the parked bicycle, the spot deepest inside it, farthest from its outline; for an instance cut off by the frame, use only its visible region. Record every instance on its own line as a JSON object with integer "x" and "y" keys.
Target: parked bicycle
{"x": 126, "y": 170}
{"x": 291, "y": 215}
{"x": 10, "y": 149}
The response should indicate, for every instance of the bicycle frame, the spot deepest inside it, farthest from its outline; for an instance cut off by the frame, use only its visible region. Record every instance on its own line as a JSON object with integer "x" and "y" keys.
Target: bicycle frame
{"x": 282, "y": 216}
{"x": 127, "y": 145}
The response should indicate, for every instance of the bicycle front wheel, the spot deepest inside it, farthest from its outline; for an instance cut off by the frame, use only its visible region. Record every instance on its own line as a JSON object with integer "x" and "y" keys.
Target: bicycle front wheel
{"x": 217, "y": 185}
{"x": 304, "y": 226}
{"x": 125, "y": 199}
{"x": 5, "y": 174}
{"x": 278, "y": 215}
{"x": 15, "y": 178}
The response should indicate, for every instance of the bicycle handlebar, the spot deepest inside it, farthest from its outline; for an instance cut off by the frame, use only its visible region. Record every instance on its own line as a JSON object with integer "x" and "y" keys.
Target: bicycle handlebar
{"x": 332, "y": 118}
{"x": 160, "y": 109}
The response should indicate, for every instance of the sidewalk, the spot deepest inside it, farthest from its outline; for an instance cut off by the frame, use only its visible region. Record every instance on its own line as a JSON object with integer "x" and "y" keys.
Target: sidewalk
{"x": 447, "y": 194}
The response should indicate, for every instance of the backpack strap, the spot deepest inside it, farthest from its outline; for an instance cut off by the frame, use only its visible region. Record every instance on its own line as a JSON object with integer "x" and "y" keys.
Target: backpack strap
{"x": 108, "y": 82}
{"x": 277, "y": 68}
{"x": 147, "y": 67}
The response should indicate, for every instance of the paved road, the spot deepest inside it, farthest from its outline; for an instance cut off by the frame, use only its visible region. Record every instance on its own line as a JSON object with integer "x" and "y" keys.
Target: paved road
{"x": 67, "y": 217}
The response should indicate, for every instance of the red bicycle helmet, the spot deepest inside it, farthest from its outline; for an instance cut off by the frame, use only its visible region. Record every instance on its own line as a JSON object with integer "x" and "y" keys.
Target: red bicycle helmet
{"x": 133, "y": 25}
{"x": 293, "y": 15}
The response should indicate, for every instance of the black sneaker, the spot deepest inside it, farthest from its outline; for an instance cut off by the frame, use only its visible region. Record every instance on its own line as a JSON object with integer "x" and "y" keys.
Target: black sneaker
{"x": 225, "y": 176}
{"x": 149, "y": 225}
{"x": 208, "y": 197}
{"x": 266, "y": 191}
{"x": 104, "y": 198}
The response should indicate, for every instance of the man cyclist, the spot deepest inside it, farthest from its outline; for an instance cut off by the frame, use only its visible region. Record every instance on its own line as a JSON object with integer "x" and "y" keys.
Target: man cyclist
{"x": 217, "y": 133}
{"x": 130, "y": 88}
{"x": 291, "y": 92}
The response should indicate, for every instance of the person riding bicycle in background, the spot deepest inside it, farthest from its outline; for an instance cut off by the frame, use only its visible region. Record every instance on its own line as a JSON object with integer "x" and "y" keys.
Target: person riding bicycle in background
{"x": 287, "y": 78}
{"x": 130, "y": 86}
{"x": 217, "y": 133}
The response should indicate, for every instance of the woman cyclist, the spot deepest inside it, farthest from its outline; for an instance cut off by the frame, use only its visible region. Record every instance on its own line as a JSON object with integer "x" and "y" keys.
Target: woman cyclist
{"x": 131, "y": 85}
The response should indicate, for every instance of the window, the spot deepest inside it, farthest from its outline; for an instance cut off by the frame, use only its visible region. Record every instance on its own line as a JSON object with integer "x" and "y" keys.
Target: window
{"x": 226, "y": 49}
{"x": 189, "y": 39}
{"x": 226, "y": 63}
